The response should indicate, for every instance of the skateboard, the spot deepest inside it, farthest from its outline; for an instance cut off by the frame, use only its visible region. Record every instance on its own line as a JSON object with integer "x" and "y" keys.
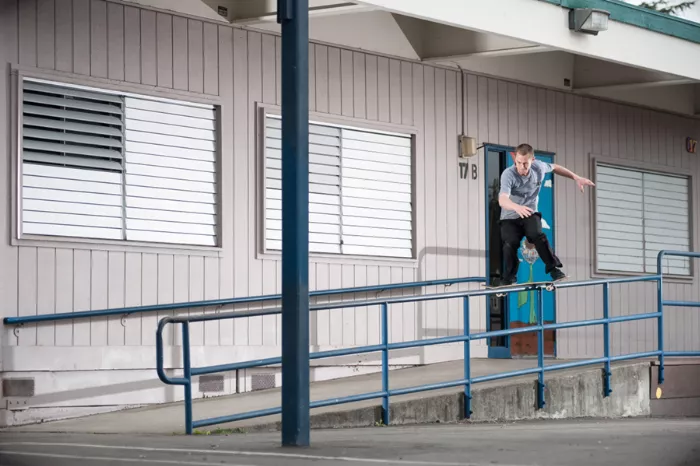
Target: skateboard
{"x": 549, "y": 285}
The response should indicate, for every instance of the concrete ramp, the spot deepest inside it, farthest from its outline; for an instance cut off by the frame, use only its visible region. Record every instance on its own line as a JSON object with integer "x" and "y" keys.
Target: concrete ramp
{"x": 575, "y": 393}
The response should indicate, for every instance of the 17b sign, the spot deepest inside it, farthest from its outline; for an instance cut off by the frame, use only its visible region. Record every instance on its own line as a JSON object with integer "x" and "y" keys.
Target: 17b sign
{"x": 465, "y": 169}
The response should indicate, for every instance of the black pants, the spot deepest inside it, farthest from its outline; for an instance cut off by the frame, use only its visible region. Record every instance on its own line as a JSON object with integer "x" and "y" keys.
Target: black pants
{"x": 512, "y": 232}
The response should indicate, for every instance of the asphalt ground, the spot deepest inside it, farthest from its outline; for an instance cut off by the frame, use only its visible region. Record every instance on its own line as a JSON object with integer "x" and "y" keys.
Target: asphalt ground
{"x": 638, "y": 442}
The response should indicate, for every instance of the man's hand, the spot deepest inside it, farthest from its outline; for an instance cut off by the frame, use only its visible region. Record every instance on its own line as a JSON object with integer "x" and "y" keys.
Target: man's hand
{"x": 581, "y": 182}
{"x": 506, "y": 203}
{"x": 522, "y": 210}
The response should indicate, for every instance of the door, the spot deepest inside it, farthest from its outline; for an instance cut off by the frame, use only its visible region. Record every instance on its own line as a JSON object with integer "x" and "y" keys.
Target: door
{"x": 496, "y": 307}
{"x": 522, "y": 311}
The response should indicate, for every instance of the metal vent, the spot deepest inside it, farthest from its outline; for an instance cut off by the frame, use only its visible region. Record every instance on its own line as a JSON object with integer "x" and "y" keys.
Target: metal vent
{"x": 18, "y": 387}
{"x": 211, "y": 383}
{"x": 262, "y": 381}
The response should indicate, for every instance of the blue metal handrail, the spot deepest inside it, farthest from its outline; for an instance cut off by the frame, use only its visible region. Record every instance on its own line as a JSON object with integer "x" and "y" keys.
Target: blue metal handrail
{"x": 662, "y": 302}
{"x": 385, "y": 346}
{"x": 229, "y": 301}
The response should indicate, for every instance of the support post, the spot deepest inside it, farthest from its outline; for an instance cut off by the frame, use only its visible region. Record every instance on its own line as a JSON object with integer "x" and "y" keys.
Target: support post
{"x": 606, "y": 338}
{"x": 540, "y": 348}
{"x": 660, "y": 309}
{"x": 187, "y": 374}
{"x": 467, "y": 362}
{"x": 293, "y": 15}
{"x": 385, "y": 363}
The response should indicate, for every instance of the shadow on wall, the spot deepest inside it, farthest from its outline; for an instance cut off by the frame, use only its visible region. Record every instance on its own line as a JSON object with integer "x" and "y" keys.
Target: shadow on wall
{"x": 52, "y": 399}
{"x": 421, "y": 331}
{"x": 170, "y": 395}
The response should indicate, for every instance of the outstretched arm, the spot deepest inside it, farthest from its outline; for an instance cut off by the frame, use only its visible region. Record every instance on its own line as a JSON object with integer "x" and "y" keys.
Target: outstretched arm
{"x": 580, "y": 181}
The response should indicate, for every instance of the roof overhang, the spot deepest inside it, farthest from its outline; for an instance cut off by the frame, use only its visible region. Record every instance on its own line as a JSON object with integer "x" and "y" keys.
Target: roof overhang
{"x": 644, "y": 58}
{"x": 635, "y": 37}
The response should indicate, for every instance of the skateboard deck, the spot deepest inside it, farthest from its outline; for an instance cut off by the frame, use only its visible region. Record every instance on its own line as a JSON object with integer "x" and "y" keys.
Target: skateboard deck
{"x": 549, "y": 285}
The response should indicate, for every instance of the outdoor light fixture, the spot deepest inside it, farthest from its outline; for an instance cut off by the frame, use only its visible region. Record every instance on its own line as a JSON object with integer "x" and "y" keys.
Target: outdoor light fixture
{"x": 467, "y": 146}
{"x": 588, "y": 20}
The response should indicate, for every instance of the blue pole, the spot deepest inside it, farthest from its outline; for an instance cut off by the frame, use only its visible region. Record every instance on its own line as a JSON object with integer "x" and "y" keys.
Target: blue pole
{"x": 467, "y": 363}
{"x": 187, "y": 374}
{"x": 540, "y": 349}
{"x": 606, "y": 338}
{"x": 660, "y": 308}
{"x": 385, "y": 364}
{"x": 293, "y": 15}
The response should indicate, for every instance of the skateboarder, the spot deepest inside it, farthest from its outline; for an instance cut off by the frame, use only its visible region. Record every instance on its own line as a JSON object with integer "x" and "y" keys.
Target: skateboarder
{"x": 518, "y": 198}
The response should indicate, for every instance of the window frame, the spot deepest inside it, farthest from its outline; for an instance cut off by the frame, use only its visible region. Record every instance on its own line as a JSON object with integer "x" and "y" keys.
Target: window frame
{"x": 262, "y": 109}
{"x": 17, "y": 238}
{"x": 645, "y": 167}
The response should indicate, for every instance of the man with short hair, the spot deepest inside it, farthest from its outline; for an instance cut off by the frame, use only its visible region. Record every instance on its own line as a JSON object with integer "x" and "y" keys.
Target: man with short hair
{"x": 518, "y": 198}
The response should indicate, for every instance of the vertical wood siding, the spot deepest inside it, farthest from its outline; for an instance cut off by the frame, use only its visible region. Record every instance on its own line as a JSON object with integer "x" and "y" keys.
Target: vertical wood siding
{"x": 124, "y": 43}
{"x": 9, "y": 280}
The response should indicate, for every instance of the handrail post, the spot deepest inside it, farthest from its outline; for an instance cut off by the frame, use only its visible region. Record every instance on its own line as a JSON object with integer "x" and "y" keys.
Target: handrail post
{"x": 467, "y": 362}
{"x": 660, "y": 309}
{"x": 540, "y": 349}
{"x": 385, "y": 363}
{"x": 160, "y": 365}
{"x": 187, "y": 369}
{"x": 606, "y": 338}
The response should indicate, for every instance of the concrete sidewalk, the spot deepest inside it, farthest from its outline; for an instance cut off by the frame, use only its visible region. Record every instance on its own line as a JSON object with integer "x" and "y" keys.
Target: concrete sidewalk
{"x": 638, "y": 442}
{"x": 570, "y": 393}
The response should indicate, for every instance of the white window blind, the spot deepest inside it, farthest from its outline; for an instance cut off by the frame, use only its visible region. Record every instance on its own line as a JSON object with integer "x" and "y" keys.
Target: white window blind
{"x": 72, "y": 143}
{"x": 170, "y": 172}
{"x": 639, "y": 213}
{"x": 121, "y": 167}
{"x": 359, "y": 190}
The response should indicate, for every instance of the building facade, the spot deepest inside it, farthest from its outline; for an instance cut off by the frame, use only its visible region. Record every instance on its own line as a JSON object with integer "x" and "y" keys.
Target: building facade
{"x": 141, "y": 165}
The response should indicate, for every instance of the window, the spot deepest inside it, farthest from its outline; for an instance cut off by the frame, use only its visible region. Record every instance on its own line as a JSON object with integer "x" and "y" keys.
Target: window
{"x": 359, "y": 190}
{"x": 638, "y": 213}
{"x": 114, "y": 166}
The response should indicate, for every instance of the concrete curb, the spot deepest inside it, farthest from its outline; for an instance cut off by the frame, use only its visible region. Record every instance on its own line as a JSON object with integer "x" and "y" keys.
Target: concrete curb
{"x": 567, "y": 395}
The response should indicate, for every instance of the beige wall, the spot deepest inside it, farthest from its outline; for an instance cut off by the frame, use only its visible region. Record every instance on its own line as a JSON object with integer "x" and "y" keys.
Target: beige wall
{"x": 100, "y": 41}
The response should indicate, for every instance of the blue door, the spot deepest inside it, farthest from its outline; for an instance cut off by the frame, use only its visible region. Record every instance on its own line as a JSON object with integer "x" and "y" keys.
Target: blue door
{"x": 521, "y": 306}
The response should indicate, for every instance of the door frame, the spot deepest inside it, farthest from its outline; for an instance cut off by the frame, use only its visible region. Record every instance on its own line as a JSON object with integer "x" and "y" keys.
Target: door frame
{"x": 494, "y": 352}
{"x": 500, "y": 352}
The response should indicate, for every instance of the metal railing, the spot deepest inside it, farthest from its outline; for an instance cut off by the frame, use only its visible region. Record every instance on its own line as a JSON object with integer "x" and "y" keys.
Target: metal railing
{"x": 384, "y": 347}
{"x": 125, "y": 311}
{"x": 661, "y": 302}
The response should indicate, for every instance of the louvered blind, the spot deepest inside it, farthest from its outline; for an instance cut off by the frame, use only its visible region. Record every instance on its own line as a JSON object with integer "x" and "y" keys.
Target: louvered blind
{"x": 170, "y": 172}
{"x": 640, "y": 213}
{"x": 377, "y": 209}
{"x": 324, "y": 187}
{"x": 72, "y": 167}
{"x": 359, "y": 190}
{"x": 103, "y": 165}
